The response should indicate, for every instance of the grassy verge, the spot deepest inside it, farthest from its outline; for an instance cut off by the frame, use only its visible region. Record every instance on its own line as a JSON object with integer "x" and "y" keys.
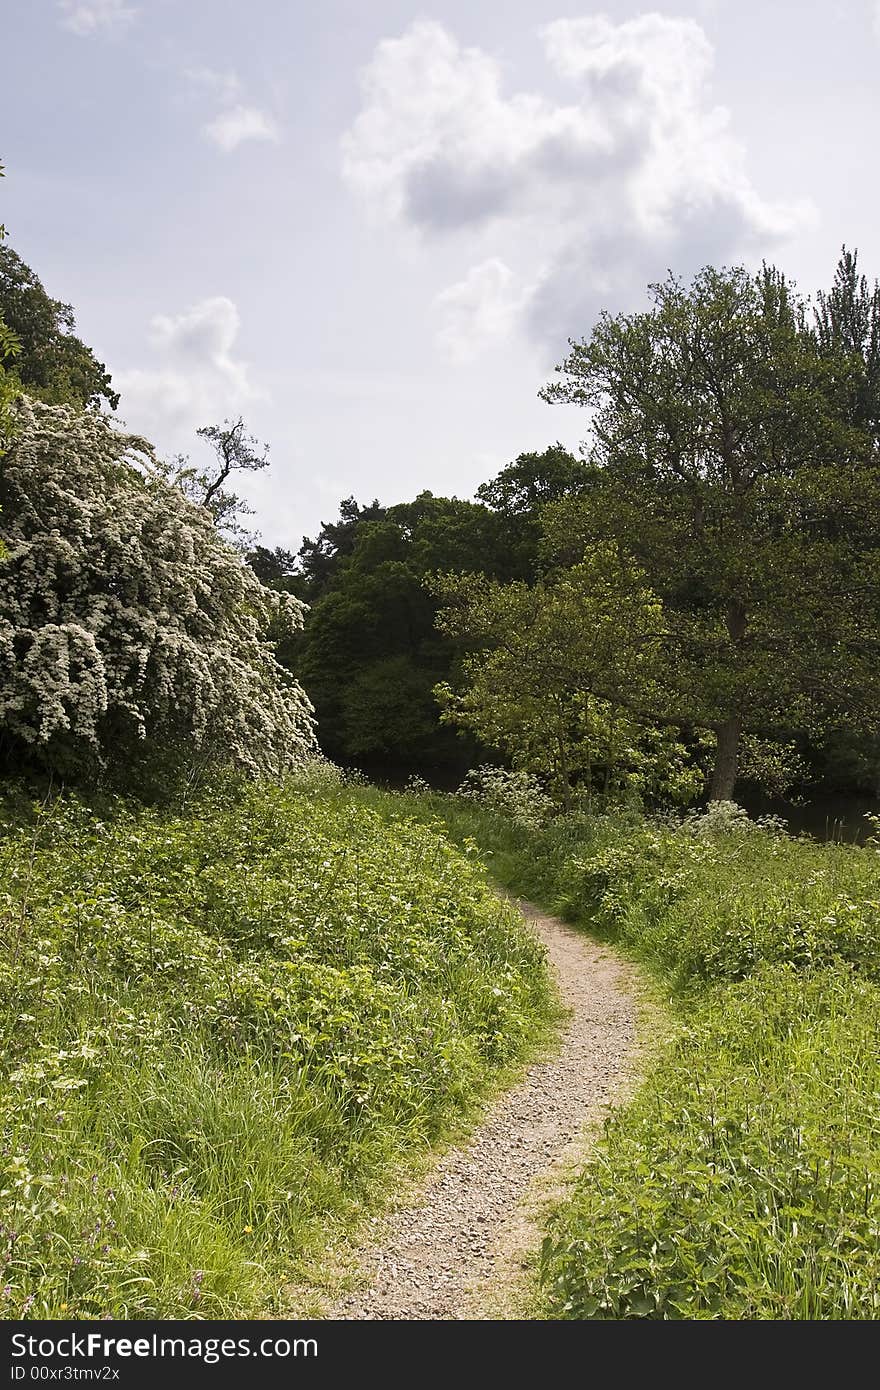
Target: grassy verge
{"x": 743, "y": 1181}
{"x": 222, "y": 1030}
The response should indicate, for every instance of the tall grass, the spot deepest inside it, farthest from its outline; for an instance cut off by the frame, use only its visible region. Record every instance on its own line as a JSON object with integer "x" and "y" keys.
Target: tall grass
{"x": 221, "y": 1032}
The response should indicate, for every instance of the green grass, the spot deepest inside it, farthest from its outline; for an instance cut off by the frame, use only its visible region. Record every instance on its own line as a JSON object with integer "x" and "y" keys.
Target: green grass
{"x": 743, "y": 1180}
{"x": 223, "y": 1032}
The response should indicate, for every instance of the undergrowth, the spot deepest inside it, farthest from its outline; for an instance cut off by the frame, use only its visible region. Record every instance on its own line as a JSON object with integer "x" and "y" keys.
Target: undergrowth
{"x": 223, "y": 1028}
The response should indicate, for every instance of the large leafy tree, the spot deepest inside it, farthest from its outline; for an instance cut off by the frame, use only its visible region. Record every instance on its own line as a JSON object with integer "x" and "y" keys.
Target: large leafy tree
{"x": 728, "y": 460}
{"x": 555, "y": 669}
{"x": 52, "y": 363}
{"x": 322, "y": 560}
{"x": 371, "y": 654}
{"x": 131, "y": 634}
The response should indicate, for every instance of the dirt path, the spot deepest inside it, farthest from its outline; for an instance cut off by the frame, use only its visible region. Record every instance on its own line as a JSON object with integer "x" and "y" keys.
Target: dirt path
{"x": 455, "y": 1250}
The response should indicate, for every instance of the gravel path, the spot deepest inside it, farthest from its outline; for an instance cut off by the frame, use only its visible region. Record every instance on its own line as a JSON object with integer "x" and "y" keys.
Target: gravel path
{"x": 457, "y": 1245}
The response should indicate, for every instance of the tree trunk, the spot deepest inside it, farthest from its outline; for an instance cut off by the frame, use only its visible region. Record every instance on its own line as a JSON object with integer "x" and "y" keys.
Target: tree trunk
{"x": 724, "y": 775}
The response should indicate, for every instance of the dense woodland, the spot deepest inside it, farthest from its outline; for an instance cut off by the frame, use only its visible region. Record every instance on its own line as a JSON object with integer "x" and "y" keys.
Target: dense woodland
{"x": 243, "y": 989}
{"x": 730, "y": 478}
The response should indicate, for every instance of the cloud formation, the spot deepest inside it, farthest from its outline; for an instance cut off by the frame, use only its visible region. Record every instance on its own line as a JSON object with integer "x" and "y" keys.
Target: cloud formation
{"x": 480, "y": 308}
{"x": 86, "y": 17}
{"x": 589, "y": 197}
{"x": 238, "y": 125}
{"x": 196, "y": 379}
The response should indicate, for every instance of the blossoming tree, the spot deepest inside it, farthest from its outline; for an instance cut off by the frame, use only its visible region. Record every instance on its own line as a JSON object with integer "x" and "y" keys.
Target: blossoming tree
{"x": 127, "y": 624}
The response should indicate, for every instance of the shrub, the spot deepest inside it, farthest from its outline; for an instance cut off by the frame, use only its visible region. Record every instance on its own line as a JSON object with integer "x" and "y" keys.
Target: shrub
{"x": 729, "y": 818}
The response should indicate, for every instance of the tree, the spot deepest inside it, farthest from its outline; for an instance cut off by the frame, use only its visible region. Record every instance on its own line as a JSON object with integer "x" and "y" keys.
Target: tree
{"x": 131, "y": 633}
{"x": 728, "y": 463}
{"x": 532, "y": 480}
{"x": 320, "y": 560}
{"x": 235, "y": 451}
{"x": 556, "y": 667}
{"x": 520, "y": 492}
{"x": 847, "y": 321}
{"x": 52, "y": 364}
{"x": 10, "y": 348}
{"x": 370, "y": 654}
{"x": 275, "y": 568}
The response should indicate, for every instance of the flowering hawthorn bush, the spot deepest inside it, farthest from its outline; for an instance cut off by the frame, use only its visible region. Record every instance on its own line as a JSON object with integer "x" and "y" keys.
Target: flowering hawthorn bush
{"x": 126, "y": 621}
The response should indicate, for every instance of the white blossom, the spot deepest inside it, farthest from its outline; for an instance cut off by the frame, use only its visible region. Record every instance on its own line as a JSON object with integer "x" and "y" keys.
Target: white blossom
{"x": 124, "y": 615}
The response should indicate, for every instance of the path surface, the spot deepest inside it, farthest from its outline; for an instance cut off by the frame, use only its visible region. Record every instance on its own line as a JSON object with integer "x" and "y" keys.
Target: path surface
{"x": 457, "y": 1245}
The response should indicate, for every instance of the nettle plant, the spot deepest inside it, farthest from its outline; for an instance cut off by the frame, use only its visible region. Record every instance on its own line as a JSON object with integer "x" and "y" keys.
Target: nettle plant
{"x": 128, "y": 626}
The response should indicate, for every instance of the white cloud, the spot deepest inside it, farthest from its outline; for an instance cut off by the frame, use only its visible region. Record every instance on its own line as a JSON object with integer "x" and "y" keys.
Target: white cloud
{"x": 196, "y": 377}
{"x": 637, "y": 172}
{"x": 480, "y": 309}
{"x": 438, "y": 143}
{"x": 241, "y": 123}
{"x": 85, "y": 17}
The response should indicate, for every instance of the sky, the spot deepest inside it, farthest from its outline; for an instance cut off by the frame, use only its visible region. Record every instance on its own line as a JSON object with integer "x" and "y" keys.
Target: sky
{"x": 371, "y": 228}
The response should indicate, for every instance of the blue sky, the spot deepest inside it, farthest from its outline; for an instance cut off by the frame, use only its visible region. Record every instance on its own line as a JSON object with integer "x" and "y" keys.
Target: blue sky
{"x": 370, "y": 228}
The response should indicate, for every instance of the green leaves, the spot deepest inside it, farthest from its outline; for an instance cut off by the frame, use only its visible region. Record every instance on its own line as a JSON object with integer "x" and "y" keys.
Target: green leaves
{"x": 556, "y": 668}
{"x": 52, "y": 363}
{"x": 744, "y": 1181}
{"x": 370, "y": 654}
